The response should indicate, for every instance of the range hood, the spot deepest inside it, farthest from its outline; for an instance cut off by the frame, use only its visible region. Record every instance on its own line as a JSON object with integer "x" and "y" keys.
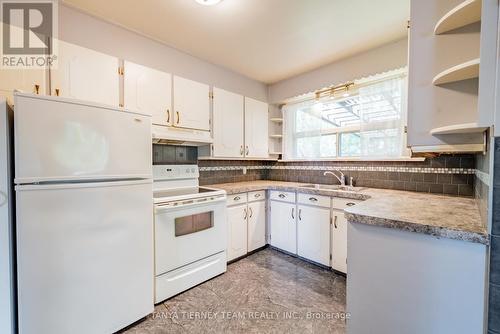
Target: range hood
{"x": 179, "y": 136}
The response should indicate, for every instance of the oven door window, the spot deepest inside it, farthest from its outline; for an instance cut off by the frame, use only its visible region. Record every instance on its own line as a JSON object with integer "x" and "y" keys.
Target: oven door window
{"x": 194, "y": 223}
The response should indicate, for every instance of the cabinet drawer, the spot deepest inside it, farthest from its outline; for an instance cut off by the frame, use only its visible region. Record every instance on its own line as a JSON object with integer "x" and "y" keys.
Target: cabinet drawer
{"x": 256, "y": 195}
{"x": 342, "y": 203}
{"x": 236, "y": 199}
{"x": 284, "y": 196}
{"x": 311, "y": 199}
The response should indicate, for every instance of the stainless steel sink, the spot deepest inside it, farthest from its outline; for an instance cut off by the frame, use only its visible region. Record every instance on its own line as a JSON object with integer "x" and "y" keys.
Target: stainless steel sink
{"x": 328, "y": 187}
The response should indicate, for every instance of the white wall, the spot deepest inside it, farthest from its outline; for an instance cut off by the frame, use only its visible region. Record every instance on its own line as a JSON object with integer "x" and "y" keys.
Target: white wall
{"x": 384, "y": 58}
{"x": 82, "y": 29}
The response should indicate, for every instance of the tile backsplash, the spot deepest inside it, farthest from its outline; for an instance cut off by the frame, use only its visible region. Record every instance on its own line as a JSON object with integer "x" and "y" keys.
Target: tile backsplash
{"x": 449, "y": 174}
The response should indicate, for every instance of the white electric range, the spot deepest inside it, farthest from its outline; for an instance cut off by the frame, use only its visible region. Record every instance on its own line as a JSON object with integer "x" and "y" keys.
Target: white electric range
{"x": 190, "y": 230}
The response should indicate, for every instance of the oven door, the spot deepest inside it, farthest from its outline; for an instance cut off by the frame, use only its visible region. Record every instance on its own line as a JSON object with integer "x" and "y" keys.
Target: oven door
{"x": 188, "y": 233}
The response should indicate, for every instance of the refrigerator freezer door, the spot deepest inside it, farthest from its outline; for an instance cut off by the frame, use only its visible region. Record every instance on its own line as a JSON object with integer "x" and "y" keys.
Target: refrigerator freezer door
{"x": 60, "y": 139}
{"x": 6, "y": 226}
{"x": 85, "y": 256}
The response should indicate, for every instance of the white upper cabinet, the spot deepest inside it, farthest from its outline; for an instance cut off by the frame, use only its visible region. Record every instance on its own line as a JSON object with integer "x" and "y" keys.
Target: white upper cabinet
{"x": 29, "y": 81}
{"x": 256, "y": 129}
{"x": 227, "y": 124}
{"x": 85, "y": 74}
{"x": 148, "y": 91}
{"x": 313, "y": 234}
{"x": 191, "y": 104}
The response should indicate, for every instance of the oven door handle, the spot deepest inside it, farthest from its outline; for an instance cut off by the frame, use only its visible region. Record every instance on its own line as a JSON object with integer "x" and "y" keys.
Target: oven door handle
{"x": 188, "y": 203}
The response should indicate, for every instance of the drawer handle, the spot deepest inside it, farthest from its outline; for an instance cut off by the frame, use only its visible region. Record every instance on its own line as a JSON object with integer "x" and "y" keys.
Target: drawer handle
{"x": 282, "y": 195}
{"x": 313, "y": 199}
{"x": 237, "y": 198}
{"x": 350, "y": 204}
{"x": 257, "y": 195}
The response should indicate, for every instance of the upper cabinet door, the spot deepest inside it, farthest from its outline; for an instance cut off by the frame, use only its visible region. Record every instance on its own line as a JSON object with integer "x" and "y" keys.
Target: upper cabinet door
{"x": 227, "y": 124}
{"x": 29, "y": 81}
{"x": 191, "y": 104}
{"x": 148, "y": 91}
{"x": 256, "y": 129}
{"x": 85, "y": 74}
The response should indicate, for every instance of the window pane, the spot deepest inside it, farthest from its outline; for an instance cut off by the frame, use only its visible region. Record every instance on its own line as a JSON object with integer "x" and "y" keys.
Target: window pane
{"x": 350, "y": 144}
{"x": 307, "y": 147}
{"x": 328, "y": 146}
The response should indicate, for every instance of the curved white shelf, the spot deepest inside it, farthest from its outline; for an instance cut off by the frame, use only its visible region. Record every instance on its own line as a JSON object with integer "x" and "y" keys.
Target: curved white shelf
{"x": 276, "y": 120}
{"x": 457, "y": 129}
{"x": 465, "y": 13}
{"x": 467, "y": 70}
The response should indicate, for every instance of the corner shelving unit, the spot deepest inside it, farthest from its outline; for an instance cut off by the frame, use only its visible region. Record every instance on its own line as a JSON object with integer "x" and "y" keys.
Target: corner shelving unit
{"x": 467, "y": 70}
{"x": 465, "y": 13}
{"x": 458, "y": 129}
{"x": 275, "y": 131}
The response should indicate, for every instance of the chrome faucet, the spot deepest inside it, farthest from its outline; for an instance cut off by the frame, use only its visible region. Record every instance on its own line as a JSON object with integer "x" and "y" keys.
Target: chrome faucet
{"x": 341, "y": 178}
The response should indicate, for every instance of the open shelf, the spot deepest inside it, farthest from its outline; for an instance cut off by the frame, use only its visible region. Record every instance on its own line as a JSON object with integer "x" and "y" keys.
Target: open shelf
{"x": 465, "y": 13}
{"x": 467, "y": 70}
{"x": 457, "y": 129}
{"x": 276, "y": 120}
{"x": 276, "y": 136}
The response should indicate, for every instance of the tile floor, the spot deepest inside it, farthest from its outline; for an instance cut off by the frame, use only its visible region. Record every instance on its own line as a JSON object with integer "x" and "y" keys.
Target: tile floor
{"x": 267, "y": 292}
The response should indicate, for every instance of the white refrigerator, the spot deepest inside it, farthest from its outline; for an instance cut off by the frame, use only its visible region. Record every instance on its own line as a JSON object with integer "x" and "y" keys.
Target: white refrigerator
{"x": 7, "y": 276}
{"x": 84, "y": 216}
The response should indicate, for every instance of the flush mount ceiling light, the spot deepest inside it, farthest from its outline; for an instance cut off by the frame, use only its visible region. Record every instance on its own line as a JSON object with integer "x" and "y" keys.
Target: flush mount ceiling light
{"x": 208, "y": 2}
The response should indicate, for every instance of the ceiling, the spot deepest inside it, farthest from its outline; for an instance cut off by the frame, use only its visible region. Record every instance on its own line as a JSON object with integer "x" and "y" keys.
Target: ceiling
{"x": 266, "y": 40}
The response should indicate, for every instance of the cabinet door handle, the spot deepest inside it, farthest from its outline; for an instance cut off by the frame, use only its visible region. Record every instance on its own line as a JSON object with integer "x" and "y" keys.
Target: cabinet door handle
{"x": 335, "y": 222}
{"x": 313, "y": 199}
{"x": 281, "y": 195}
{"x": 293, "y": 213}
{"x": 168, "y": 115}
{"x": 350, "y": 204}
{"x": 178, "y": 117}
{"x": 247, "y": 151}
{"x": 300, "y": 214}
{"x": 251, "y": 212}
{"x": 246, "y": 213}
{"x": 37, "y": 89}
{"x": 241, "y": 150}
{"x": 58, "y": 91}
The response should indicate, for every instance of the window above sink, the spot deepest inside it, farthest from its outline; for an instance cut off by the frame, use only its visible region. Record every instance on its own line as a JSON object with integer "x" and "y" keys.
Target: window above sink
{"x": 364, "y": 120}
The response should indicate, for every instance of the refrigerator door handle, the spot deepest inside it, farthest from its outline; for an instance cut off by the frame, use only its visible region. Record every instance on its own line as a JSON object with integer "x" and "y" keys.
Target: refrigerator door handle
{"x": 75, "y": 185}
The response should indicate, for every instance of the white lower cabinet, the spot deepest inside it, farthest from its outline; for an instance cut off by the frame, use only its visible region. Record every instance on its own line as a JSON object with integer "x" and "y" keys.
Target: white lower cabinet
{"x": 339, "y": 241}
{"x": 256, "y": 225}
{"x": 246, "y": 223}
{"x": 313, "y": 234}
{"x": 283, "y": 226}
{"x": 237, "y": 231}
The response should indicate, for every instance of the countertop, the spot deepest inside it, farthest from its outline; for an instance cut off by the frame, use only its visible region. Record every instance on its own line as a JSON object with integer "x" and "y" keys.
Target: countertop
{"x": 437, "y": 215}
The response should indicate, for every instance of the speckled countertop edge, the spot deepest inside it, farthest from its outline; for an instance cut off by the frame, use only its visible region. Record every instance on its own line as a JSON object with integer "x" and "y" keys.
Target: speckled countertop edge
{"x": 403, "y": 210}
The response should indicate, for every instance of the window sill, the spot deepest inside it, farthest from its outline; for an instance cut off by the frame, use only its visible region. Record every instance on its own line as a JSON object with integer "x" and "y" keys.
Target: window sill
{"x": 355, "y": 159}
